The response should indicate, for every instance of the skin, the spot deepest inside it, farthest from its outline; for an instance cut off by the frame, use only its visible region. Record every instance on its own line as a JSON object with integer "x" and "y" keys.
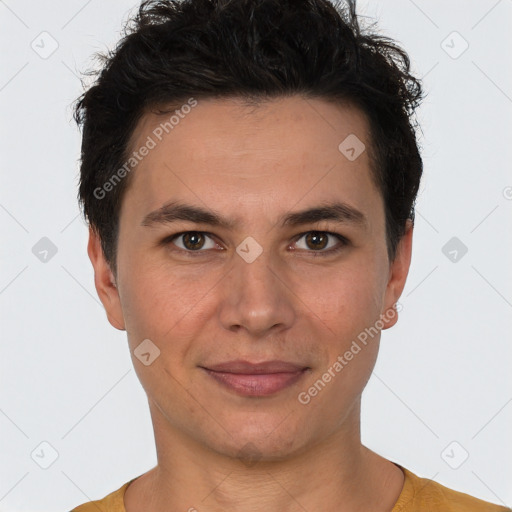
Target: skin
{"x": 254, "y": 165}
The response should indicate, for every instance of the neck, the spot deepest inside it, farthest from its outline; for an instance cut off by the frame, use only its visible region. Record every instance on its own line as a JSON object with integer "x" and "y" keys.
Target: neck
{"x": 338, "y": 472}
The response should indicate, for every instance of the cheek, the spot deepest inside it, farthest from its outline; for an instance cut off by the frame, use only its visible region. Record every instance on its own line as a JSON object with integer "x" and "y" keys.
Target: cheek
{"x": 348, "y": 302}
{"x": 164, "y": 303}
{"x": 347, "y": 298}
{"x": 350, "y": 308}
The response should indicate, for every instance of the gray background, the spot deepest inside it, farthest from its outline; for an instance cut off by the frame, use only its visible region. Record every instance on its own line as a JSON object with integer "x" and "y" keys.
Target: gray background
{"x": 441, "y": 390}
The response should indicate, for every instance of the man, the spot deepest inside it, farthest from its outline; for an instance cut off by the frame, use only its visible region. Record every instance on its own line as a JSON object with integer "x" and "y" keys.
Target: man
{"x": 249, "y": 172}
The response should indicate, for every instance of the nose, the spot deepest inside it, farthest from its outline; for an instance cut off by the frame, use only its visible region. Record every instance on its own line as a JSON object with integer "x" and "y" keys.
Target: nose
{"x": 257, "y": 297}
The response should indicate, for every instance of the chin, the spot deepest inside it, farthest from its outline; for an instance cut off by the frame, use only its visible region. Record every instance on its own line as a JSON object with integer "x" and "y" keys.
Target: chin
{"x": 263, "y": 443}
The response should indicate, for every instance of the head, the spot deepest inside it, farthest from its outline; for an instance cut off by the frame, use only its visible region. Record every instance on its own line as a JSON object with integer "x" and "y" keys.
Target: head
{"x": 280, "y": 136}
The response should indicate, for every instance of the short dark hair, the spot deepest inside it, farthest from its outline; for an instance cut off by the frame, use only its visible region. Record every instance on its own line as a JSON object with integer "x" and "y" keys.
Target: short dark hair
{"x": 173, "y": 50}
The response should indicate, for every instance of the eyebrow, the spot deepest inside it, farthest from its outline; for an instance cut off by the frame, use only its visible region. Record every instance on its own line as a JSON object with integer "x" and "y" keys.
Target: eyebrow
{"x": 175, "y": 211}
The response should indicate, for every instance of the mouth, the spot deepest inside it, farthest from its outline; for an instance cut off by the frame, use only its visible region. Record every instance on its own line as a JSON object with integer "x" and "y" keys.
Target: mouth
{"x": 256, "y": 379}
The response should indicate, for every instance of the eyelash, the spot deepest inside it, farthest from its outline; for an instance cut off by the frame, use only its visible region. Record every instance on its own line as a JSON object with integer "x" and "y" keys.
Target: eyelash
{"x": 344, "y": 242}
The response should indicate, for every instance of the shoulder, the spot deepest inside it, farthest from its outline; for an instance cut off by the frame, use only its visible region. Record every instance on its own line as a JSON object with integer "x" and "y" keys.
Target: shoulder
{"x": 113, "y": 502}
{"x": 422, "y": 494}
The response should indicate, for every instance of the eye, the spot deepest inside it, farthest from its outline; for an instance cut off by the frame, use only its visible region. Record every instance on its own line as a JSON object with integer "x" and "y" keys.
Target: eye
{"x": 191, "y": 241}
{"x": 317, "y": 241}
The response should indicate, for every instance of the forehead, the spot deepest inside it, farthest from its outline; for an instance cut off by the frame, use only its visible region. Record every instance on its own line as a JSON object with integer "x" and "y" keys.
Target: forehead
{"x": 271, "y": 154}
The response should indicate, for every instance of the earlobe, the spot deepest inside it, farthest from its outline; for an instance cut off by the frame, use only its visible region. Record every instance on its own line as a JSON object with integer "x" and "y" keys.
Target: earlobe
{"x": 104, "y": 281}
{"x": 398, "y": 271}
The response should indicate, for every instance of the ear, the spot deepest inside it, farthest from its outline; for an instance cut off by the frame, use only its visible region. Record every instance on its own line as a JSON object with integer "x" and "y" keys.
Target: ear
{"x": 104, "y": 281}
{"x": 398, "y": 271}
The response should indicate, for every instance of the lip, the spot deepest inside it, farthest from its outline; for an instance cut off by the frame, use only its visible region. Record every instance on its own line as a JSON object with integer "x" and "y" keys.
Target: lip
{"x": 256, "y": 379}
{"x": 246, "y": 367}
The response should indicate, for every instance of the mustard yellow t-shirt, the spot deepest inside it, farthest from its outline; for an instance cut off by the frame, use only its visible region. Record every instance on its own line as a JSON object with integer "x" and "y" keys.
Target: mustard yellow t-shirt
{"x": 418, "y": 495}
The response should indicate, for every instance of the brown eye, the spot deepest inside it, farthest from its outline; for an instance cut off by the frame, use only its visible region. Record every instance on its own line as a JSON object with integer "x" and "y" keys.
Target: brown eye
{"x": 193, "y": 240}
{"x": 321, "y": 243}
{"x": 316, "y": 240}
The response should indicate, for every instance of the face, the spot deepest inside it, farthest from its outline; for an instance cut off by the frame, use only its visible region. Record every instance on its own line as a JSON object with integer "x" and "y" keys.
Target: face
{"x": 250, "y": 279}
